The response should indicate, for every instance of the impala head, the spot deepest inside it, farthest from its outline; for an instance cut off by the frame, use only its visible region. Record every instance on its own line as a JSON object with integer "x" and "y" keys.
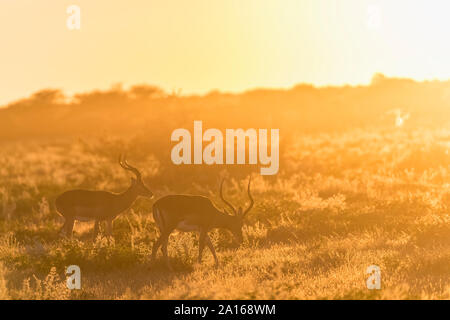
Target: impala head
{"x": 238, "y": 215}
{"x": 136, "y": 183}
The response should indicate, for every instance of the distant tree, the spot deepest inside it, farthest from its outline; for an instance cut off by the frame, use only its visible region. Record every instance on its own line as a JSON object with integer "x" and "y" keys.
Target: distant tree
{"x": 146, "y": 92}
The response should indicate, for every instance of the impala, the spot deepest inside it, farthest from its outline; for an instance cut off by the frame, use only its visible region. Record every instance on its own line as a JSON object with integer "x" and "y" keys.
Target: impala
{"x": 196, "y": 213}
{"x": 85, "y": 205}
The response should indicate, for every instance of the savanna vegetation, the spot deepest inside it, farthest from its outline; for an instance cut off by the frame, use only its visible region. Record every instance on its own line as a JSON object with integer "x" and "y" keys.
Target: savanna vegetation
{"x": 364, "y": 180}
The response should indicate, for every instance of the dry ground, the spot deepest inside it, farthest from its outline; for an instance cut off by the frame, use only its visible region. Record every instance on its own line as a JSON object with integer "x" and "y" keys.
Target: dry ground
{"x": 340, "y": 203}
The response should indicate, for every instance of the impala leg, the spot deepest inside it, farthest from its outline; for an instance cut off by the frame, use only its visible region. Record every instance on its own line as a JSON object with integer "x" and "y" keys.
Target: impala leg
{"x": 69, "y": 227}
{"x": 165, "y": 240}
{"x": 211, "y": 248}
{"x": 201, "y": 245}
{"x": 62, "y": 232}
{"x": 96, "y": 229}
{"x": 156, "y": 246}
{"x": 109, "y": 228}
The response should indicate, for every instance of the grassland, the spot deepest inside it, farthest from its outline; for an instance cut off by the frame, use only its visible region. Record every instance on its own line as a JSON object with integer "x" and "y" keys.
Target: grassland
{"x": 341, "y": 202}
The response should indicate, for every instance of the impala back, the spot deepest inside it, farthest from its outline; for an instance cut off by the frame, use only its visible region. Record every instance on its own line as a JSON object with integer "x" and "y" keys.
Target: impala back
{"x": 184, "y": 212}
{"x": 85, "y": 204}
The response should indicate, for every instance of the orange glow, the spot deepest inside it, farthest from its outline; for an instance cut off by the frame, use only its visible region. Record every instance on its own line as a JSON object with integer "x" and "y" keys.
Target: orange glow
{"x": 231, "y": 45}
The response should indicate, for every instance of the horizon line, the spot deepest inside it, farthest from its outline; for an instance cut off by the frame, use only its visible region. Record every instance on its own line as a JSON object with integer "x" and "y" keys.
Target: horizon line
{"x": 177, "y": 91}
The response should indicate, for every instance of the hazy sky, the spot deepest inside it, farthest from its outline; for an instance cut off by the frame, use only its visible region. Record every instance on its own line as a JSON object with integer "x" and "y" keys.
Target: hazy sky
{"x": 230, "y": 45}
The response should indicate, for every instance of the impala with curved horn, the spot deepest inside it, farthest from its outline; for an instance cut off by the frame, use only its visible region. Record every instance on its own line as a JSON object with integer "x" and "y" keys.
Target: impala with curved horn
{"x": 196, "y": 213}
{"x": 85, "y": 205}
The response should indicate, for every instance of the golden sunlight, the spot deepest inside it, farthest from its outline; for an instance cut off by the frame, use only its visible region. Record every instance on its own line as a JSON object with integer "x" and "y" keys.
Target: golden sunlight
{"x": 227, "y": 45}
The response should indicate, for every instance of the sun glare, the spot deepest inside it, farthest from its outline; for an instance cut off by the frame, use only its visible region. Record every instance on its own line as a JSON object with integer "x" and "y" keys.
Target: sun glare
{"x": 228, "y": 45}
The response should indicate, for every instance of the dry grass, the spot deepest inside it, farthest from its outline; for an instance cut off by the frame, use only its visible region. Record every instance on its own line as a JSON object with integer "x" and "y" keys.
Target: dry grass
{"x": 340, "y": 203}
